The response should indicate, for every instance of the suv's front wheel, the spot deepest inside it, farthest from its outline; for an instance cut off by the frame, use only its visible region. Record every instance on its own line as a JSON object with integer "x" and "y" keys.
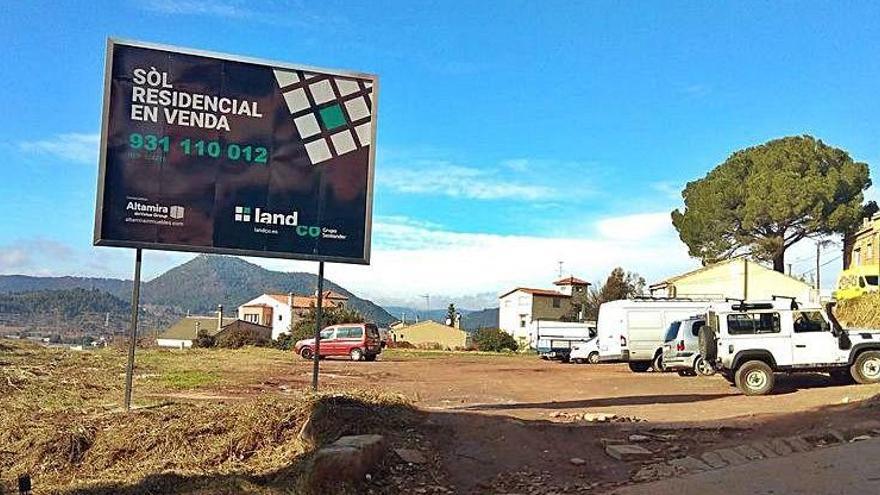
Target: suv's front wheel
{"x": 867, "y": 367}
{"x": 755, "y": 378}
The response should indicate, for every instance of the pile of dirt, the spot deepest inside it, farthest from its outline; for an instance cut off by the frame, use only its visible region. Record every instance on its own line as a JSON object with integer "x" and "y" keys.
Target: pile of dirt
{"x": 56, "y": 426}
{"x": 861, "y": 312}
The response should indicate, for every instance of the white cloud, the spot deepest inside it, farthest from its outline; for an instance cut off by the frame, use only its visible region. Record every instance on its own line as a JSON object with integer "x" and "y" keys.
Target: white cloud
{"x": 634, "y": 227}
{"x": 74, "y": 147}
{"x": 410, "y": 259}
{"x": 443, "y": 178}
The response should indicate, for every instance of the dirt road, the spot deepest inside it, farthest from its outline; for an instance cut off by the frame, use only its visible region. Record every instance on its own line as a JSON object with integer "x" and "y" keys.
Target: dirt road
{"x": 526, "y": 387}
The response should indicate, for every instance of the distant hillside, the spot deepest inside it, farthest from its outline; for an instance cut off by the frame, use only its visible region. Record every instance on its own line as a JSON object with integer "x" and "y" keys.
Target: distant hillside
{"x": 199, "y": 285}
{"x": 205, "y": 281}
{"x": 25, "y": 283}
{"x": 475, "y": 320}
{"x": 65, "y": 303}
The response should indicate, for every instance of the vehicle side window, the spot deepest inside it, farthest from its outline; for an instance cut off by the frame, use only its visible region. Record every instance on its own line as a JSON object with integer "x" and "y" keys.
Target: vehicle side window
{"x": 810, "y": 321}
{"x": 752, "y": 323}
{"x": 695, "y": 328}
{"x": 355, "y": 332}
{"x": 328, "y": 333}
{"x": 343, "y": 333}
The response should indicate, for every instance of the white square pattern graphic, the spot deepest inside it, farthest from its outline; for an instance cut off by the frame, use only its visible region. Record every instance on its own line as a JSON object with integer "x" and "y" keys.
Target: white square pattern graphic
{"x": 332, "y": 114}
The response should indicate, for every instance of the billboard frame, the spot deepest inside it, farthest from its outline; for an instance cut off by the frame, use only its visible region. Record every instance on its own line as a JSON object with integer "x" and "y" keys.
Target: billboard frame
{"x": 102, "y": 159}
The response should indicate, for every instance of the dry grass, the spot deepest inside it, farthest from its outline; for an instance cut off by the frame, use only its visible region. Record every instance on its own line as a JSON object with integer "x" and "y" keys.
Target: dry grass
{"x": 861, "y": 312}
{"x": 61, "y": 422}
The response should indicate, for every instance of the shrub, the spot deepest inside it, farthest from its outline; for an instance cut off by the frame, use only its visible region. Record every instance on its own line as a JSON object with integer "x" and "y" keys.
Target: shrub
{"x": 494, "y": 340}
{"x": 284, "y": 342}
{"x": 236, "y": 338}
{"x": 431, "y": 346}
{"x": 204, "y": 340}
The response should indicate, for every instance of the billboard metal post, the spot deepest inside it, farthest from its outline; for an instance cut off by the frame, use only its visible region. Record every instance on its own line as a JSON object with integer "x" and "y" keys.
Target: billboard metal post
{"x": 132, "y": 331}
{"x": 318, "y": 314}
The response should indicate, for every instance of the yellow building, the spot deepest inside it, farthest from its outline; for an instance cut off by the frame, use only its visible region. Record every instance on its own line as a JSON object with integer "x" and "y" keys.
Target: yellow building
{"x": 429, "y": 333}
{"x": 735, "y": 278}
{"x": 862, "y": 247}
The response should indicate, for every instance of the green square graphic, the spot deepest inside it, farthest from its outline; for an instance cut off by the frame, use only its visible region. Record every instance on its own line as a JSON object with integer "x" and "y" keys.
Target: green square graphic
{"x": 332, "y": 117}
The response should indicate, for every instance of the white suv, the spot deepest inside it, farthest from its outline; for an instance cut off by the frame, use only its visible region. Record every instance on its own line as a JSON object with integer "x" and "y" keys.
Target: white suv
{"x": 749, "y": 341}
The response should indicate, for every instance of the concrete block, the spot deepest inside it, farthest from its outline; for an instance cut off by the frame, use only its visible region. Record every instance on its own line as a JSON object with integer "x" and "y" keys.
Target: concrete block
{"x": 628, "y": 452}
{"x": 731, "y": 457}
{"x": 690, "y": 464}
{"x": 799, "y": 444}
{"x": 713, "y": 460}
{"x": 765, "y": 449}
{"x": 781, "y": 446}
{"x": 748, "y": 452}
{"x": 346, "y": 461}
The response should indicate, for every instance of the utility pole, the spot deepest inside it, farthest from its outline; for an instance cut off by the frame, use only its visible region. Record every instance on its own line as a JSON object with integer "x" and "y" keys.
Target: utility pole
{"x": 789, "y": 269}
{"x": 560, "y": 268}
{"x": 818, "y": 253}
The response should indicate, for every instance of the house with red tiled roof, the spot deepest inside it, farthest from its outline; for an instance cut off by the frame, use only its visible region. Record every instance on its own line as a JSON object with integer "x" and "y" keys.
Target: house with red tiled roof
{"x": 520, "y": 308}
{"x": 281, "y": 311}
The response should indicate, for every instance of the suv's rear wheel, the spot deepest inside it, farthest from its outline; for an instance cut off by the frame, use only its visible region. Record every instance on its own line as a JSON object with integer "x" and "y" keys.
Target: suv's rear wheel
{"x": 639, "y": 366}
{"x": 703, "y": 368}
{"x": 755, "y": 378}
{"x": 356, "y": 354}
{"x": 867, "y": 367}
{"x": 593, "y": 358}
{"x": 306, "y": 353}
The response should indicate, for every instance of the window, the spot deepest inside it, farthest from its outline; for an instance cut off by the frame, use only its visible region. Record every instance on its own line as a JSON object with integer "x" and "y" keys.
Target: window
{"x": 695, "y": 328}
{"x": 871, "y": 280}
{"x": 350, "y": 333}
{"x": 556, "y": 302}
{"x": 373, "y": 331}
{"x": 752, "y": 323}
{"x": 279, "y": 317}
{"x": 672, "y": 331}
{"x": 809, "y": 321}
{"x": 328, "y": 333}
{"x": 522, "y": 323}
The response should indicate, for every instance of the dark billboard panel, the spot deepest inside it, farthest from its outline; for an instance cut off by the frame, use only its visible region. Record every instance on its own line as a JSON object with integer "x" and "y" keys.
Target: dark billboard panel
{"x": 219, "y": 154}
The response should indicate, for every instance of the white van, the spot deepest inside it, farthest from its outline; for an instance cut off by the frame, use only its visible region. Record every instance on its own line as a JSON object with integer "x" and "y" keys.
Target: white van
{"x": 633, "y": 330}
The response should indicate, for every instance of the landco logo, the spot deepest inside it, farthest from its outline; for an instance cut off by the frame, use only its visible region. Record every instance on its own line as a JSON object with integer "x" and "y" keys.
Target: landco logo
{"x": 246, "y": 214}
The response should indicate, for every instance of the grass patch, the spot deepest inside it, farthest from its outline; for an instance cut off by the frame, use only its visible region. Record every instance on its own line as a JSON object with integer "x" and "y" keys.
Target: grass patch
{"x": 184, "y": 380}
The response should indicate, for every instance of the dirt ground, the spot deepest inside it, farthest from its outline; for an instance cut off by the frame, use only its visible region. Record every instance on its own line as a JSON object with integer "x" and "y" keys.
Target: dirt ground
{"x": 499, "y": 424}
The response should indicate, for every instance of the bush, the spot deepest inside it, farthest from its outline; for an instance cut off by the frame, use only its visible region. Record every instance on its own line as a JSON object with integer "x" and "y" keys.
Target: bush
{"x": 494, "y": 340}
{"x": 284, "y": 342}
{"x": 204, "y": 340}
{"x": 431, "y": 346}
{"x": 236, "y": 338}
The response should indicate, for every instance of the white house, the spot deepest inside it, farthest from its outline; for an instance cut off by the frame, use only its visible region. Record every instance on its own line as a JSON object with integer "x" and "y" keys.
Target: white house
{"x": 280, "y": 311}
{"x": 521, "y": 308}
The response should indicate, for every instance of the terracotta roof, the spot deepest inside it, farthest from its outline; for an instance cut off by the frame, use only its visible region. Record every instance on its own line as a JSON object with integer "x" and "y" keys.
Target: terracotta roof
{"x": 535, "y": 292}
{"x": 303, "y": 302}
{"x": 571, "y": 281}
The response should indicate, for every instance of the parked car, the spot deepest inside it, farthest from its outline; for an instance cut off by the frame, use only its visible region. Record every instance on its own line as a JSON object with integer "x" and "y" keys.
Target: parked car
{"x": 681, "y": 352}
{"x": 585, "y": 352}
{"x": 633, "y": 330}
{"x": 555, "y": 339}
{"x": 358, "y": 341}
{"x": 750, "y": 341}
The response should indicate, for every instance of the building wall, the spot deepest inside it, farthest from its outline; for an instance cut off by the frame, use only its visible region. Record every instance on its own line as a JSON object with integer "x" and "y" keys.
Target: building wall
{"x": 863, "y": 247}
{"x": 729, "y": 280}
{"x": 430, "y": 332}
{"x": 174, "y": 343}
{"x": 263, "y": 314}
{"x": 280, "y": 313}
{"x": 515, "y": 313}
{"x": 550, "y": 308}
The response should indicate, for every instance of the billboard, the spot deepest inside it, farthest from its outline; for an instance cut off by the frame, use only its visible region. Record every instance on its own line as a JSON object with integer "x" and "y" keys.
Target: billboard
{"x": 214, "y": 153}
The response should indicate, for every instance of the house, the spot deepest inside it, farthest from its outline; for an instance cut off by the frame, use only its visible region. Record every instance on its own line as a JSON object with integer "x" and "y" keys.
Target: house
{"x": 280, "y": 311}
{"x": 428, "y": 333}
{"x": 521, "y": 308}
{"x": 736, "y": 278}
{"x": 862, "y": 246}
{"x": 182, "y": 334}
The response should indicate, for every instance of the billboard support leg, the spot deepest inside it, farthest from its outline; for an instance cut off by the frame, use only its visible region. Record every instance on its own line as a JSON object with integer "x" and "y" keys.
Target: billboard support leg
{"x": 132, "y": 331}
{"x": 318, "y": 315}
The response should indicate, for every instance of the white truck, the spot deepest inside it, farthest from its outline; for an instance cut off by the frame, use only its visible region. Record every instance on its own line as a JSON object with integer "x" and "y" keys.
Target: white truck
{"x": 634, "y": 330}
{"x": 750, "y": 341}
{"x": 554, "y": 339}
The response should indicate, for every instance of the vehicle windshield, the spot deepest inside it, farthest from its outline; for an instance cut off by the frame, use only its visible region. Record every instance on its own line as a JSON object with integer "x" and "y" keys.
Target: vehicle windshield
{"x": 327, "y": 333}
{"x": 871, "y": 280}
{"x": 672, "y": 331}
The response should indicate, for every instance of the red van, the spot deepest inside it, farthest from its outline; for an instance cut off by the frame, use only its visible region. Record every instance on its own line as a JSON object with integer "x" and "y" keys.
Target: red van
{"x": 359, "y": 341}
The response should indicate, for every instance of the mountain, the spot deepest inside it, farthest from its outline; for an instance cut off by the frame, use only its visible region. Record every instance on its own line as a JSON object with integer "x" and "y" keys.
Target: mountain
{"x": 207, "y": 280}
{"x": 475, "y": 320}
{"x": 200, "y": 284}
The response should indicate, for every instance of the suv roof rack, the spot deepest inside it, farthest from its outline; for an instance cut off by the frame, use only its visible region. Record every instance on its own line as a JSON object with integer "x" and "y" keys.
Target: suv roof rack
{"x": 794, "y": 304}
{"x": 746, "y": 306}
{"x": 660, "y": 298}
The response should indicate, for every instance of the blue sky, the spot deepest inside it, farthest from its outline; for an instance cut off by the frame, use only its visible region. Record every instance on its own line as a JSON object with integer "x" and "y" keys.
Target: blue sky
{"x": 512, "y": 135}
